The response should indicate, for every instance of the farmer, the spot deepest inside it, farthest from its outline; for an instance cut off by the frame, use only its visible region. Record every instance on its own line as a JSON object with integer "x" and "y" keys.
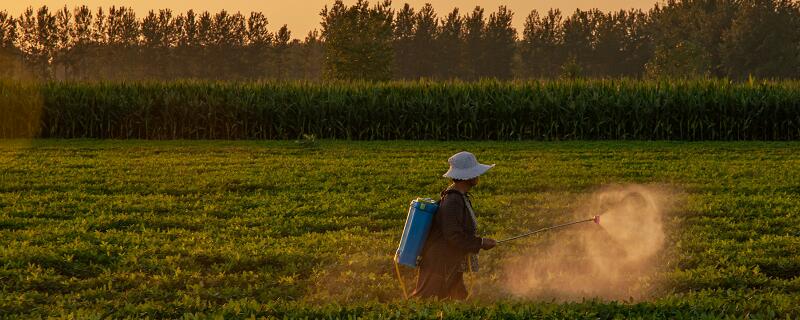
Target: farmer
{"x": 452, "y": 243}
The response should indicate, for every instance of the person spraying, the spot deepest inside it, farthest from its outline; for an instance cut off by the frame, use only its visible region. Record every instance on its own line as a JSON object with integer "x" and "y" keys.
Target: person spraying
{"x": 452, "y": 243}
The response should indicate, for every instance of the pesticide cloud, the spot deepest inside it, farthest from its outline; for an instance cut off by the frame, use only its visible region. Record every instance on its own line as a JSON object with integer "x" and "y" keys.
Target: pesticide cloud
{"x": 616, "y": 259}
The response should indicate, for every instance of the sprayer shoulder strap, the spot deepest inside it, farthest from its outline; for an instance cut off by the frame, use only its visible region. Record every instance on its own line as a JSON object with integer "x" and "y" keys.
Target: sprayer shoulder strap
{"x": 447, "y": 192}
{"x": 439, "y": 202}
{"x": 467, "y": 206}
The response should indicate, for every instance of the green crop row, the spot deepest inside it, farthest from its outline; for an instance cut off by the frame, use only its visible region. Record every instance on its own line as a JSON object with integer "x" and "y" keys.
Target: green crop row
{"x": 488, "y": 110}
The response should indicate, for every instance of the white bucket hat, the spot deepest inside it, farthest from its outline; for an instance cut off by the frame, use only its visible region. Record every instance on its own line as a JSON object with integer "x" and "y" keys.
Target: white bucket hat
{"x": 464, "y": 166}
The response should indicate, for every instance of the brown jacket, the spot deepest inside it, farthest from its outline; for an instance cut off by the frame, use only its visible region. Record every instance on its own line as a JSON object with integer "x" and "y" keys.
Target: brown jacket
{"x": 451, "y": 238}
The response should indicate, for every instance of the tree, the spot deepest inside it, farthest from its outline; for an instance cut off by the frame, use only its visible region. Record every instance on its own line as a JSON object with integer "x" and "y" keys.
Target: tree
{"x": 501, "y": 39}
{"x": 38, "y": 40}
{"x": 156, "y": 40}
{"x": 449, "y": 44}
{"x": 281, "y": 51}
{"x": 358, "y": 41}
{"x": 423, "y": 42}
{"x": 8, "y": 30}
{"x": 237, "y": 63}
{"x": 312, "y": 56}
{"x": 579, "y": 38}
{"x": 571, "y": 69}
{"x": 228, "y": 36}
{"x": 609, "y": 44}
{"x": 474, "y": 44}
{"x": 61, "y": 57}
{"x": 403, "y": 43}
{"x": 204, "y": 30}
{"x": 259, "y": 40}
{"x": 685, "y": 60}
{"x": 188, "y": 50}
{"x": 257, "y": 33}
{"x": 186, "y": 26}
{"x": 542, "y": 40}
{"x": 99, "y": 28}
{"x": 80, "y": 53}
{"x": 205, "y": 40}
{"x": 82, "y": 32}
{"x": 122, "y": 27}
{"x": 9, "y": 54}
{"x": 120, "y": 56}
{"x": 637, "y": 44}
{"x": 763, "y": 40}
{"x": 696, "y": 26}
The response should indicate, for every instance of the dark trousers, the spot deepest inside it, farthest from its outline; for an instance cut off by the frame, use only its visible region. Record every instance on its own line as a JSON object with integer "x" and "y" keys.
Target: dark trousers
{"x": 432, "y": 284}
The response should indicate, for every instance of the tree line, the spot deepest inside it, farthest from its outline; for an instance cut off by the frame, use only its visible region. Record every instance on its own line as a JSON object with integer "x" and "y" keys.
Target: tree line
{"x": 690, "y": 38}
{"x": 114, "y": 44}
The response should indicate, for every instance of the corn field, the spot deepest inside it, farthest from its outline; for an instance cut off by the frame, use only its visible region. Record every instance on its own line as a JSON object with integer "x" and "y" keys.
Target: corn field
{"x": 486, "y": 110}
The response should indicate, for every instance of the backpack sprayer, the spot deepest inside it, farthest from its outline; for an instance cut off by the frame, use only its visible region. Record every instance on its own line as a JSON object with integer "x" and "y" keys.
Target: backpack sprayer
{"x": 418, "y": 224}
{"x": 415, "y": 232}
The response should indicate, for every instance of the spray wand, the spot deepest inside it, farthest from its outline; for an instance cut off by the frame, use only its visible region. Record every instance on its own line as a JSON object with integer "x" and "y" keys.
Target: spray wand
{"x": 595, "y": 219}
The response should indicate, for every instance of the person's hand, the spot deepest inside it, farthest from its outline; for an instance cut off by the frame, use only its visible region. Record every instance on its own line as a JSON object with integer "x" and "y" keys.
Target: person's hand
{"x": 487, "y": 243}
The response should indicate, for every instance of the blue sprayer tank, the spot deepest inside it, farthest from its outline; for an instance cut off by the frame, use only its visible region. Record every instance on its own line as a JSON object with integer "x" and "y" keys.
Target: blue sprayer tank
{"x": 415, "y": 232}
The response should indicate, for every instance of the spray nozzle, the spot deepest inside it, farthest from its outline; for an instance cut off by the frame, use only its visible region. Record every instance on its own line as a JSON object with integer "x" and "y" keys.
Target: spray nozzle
{"x": 597, "y": 219}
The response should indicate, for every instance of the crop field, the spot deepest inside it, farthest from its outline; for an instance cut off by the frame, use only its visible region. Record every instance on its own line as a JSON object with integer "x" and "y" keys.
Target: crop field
{"x": 280, "y": 229}
{"x": 612, "y": 109}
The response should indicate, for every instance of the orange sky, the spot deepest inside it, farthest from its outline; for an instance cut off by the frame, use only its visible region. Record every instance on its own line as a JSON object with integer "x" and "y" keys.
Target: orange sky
{"x": 303, "y": 15}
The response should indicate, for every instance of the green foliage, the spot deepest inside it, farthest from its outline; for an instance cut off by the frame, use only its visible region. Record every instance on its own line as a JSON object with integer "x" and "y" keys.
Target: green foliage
{"x": 688, "y": 32}
{"x": 541, "y": 38}
{"x": 686, "y": 60}
{"x": 571, "y": 69}
{"x": 720, "y": 38}
{"x": 358, "y": 41}
{"x": 763, "y": 40}
{"x": 132, "y": 229}
{"x": 83, "y": 43}
{"x": 501, "y": 41}
{"x": 486, "y": 110}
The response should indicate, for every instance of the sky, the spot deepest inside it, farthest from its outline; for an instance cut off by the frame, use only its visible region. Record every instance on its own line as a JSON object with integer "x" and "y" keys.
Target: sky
{"x": 301, "y": 16}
